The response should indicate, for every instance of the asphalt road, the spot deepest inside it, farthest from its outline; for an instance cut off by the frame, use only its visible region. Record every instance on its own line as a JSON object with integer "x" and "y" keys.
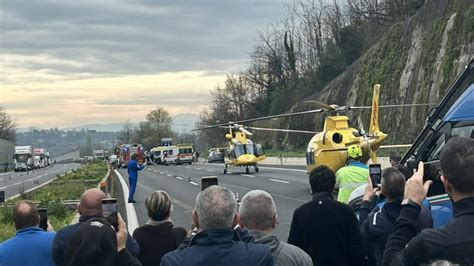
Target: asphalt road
{"x": 289, "y": 188}
{"x": 15, "y": 182}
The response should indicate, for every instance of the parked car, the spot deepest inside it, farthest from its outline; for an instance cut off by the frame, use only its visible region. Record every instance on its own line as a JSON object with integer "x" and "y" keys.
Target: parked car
{"x": 215, "y": 156}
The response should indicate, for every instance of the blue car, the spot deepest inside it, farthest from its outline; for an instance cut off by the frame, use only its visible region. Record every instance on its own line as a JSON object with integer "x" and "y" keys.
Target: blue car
{"x": 454, "y": 116}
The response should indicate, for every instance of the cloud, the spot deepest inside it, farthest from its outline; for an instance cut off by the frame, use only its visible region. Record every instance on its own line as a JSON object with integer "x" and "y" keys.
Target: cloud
{"x": 117, "y": 37}
{"x": 69, "y": 62}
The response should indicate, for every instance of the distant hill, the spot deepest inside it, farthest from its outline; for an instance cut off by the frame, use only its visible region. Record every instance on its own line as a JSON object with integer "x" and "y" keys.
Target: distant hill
{"x": 181, "y": 123}
{"x": 111, "y": 127}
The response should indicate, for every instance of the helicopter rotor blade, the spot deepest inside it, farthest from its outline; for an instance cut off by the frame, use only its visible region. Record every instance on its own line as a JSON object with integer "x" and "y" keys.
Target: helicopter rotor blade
{"x": 283, "y": 130}
{"x": 390, "y": 105}
{"x": 322, "y": 105}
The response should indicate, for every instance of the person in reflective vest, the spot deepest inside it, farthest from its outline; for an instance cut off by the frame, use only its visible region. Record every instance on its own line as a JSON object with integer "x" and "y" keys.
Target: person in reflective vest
{"x": 353, "y": 175}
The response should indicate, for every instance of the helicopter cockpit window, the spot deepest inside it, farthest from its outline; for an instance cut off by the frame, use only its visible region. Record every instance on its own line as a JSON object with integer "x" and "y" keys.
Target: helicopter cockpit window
{"x": 249, "y": 148}
{"x": 239, "y": 149}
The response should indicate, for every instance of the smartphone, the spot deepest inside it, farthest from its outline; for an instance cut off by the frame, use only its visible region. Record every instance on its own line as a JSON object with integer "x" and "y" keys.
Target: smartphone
{"x": 375, "y": 173}
{"x": 109, "y": 211}
{"x": 208, "y": 181}
{"x": 432, "y": 171}
{"x": 43, "y": 216}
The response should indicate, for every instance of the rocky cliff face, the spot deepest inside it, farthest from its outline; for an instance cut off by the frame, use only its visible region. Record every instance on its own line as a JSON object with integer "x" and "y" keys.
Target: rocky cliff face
{"x": 415, "y": 62}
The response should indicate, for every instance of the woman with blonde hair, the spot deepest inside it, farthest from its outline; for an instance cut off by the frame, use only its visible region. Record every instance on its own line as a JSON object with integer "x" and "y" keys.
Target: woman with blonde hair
{"x": 158, "y": 236}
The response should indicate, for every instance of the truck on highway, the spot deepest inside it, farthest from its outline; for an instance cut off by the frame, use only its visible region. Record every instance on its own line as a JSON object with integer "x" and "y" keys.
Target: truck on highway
{"x": 24, "y": 158}
{"x": 41, "y": 157}
{"x": 124, "y": 151}
{"x": 98, "y": 154}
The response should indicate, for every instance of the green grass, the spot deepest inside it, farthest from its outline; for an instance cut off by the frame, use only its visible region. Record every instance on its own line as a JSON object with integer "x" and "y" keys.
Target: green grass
{"x": 67, "y": 187}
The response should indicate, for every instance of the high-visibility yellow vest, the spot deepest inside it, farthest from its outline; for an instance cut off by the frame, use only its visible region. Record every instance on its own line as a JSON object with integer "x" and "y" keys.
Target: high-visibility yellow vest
{"x": 349, "y": 178}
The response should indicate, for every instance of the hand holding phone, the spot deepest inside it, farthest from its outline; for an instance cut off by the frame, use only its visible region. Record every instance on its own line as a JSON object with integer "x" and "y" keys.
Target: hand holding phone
{"x": 207, "y": 181}
{"x": 109, "y": 211}
{"x": 375, "y": 173}
{"x": 43, "y": 214}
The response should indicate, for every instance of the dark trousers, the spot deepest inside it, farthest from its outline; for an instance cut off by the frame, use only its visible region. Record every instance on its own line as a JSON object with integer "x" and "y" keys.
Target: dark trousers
{"x": 133, "y": 186}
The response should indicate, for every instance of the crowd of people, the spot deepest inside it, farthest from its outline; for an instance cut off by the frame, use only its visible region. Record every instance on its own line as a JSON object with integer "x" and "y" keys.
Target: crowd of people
{"x": 324, "y": 231}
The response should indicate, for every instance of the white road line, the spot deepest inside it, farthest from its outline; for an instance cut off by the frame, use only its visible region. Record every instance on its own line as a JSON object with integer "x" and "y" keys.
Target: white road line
{"x": 168, "y": 174}
{"x": 132, "y": 220}
{"x": 180, "y": 166}
{"x": 149, "y": 169}
{"x": 155, "y": 171}
{"x": 248, "y": 175}
{"x": 187, "y": 167}
{"x": 279, "y": 181}
{"x": 209, "y": 170}
{"x": 2, "y": 188}
{"x": 162, "y": 173}
{"x": 284, "y": 169}
{"x": 229, "y": 172}
{"x": 197, "y": 168}
{"x": 193, "y": 183}
{"x": 180, "y": 178}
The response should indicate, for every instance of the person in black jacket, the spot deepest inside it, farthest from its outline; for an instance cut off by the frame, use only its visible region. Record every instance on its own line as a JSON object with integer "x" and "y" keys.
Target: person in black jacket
{"x": 95, "y": 242}
{"x": 89, "y": 207}
{"x": 324, "y": 228}
{"x": 216, "y": 242}
{"x": 453, "y": 242}
{"x": 158, "y": 236}
{"x": 377, "y": 223}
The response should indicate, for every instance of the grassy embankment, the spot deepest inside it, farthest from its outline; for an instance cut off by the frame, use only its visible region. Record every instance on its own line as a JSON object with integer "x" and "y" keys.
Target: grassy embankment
{"x": 51, "y": 196}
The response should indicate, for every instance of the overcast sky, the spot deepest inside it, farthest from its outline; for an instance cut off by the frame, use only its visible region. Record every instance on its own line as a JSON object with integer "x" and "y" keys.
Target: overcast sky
{"x": 68, "y": 63}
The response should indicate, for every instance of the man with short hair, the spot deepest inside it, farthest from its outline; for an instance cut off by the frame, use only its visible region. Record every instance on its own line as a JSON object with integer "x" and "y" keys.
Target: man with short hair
{"x": 324, "y": 228}
{"x": 377, "y": 223}
{"x": 453, "y": 242}
{"x": 395, "y": 158}
{"x": 216, "y": 243}
{"x": 353, "y": 175}
{"x": 89, "y": 207}
{"x": 258, "y": 215}
{"x": 31, "y": 245}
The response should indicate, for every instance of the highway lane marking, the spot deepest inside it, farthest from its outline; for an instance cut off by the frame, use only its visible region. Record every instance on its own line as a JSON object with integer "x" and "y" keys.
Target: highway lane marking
{"x": 193, "y": 183}
{"x": 284, "y": 169}
{"x": 180, "y": 178}
{"x": 132, "y": 220}
{"x": 197, "y": 168}
{"x": 155, "y": 171}
{"x": 279, "y": 181}
{"x": 162, "y": 173}
{"x": 209, "y": 170}
{"x": 168, "y": 174}
{"x": 248, "y": 175}
{"x": 173, "y": 200}
{"x": 273, "y": 194}
{"x": 187, "y": 167}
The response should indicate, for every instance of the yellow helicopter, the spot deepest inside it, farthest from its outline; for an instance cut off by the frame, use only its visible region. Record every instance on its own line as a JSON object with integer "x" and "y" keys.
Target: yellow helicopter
{"x": 329, "y": 147}
{"x": 242, "y": 152}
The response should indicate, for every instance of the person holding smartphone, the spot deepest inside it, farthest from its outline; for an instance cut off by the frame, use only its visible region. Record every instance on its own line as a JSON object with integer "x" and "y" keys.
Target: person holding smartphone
{"x": 376, "y": 222}
{"x": 31, "y": 245}
{"x": 133, "y": 167}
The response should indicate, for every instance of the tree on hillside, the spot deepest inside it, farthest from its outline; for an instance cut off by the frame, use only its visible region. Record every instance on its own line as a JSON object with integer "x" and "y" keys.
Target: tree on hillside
{"x": 157, "y": 126}
{"x": 7, "y": 126}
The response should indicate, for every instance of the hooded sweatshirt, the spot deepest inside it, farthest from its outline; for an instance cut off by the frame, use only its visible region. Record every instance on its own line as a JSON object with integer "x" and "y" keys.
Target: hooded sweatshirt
{"x": 283, "y": 253}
